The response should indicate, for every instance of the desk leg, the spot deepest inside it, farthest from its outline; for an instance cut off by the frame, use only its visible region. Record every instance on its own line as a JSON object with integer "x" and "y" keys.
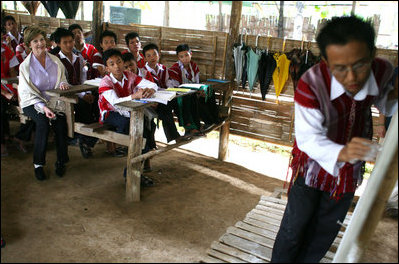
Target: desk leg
{"x": 225, "y": 129}
{"x": 133, "y": 174}
{"x": 70, "y": 117}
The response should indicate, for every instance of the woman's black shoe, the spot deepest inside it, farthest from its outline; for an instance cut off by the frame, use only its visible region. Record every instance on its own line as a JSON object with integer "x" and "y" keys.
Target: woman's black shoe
{"x": 39, "y": 173}
{"x": 60, "y": 168}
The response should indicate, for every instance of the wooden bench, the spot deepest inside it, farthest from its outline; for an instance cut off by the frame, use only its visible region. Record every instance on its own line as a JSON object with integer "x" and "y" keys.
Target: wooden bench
{"x": 252, "y": 240}
{"x": 134, "y": 141}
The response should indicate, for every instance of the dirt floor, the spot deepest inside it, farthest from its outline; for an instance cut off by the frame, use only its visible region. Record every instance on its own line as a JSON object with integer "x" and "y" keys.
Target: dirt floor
{"x": 83, "y": 217}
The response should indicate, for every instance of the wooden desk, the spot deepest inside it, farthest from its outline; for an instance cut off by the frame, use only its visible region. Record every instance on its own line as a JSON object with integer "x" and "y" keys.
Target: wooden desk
{"x": 70, "y": 98}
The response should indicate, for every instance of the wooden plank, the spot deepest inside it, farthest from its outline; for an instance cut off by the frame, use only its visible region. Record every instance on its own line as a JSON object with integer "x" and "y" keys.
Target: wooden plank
{"x": 271, "y": 205}
{"x": 268, "y": 214}
{"x": 247, "y": 246}
{"x": 95, "y": 127}
{"x": 272, "y": 199}
{"x": 133, "y": 174}
{"x": 70, "y": 118}
{"x": 256, "y": 230}
{"x": 235, "y": 252}
{"x": 261, "y": 240}
{"x": 270, "y": 209}
{"x": 264, "y": 218}
{"x": 209, "y": 259}
{"x": 261, "y": 224}
{"x": 106, "y": 135}
{"x": 223, "y": 256}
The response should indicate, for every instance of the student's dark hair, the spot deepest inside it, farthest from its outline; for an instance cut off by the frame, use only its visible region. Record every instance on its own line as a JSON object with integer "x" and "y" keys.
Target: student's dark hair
{"x": 128, "y": 57}
{"x": 108, "y": 33}
{"x": 109, "y": 53}
{"x": 61, "y": 33}
{"x": 150, "y": 46}
{"x": 55, "y": 51}
{"x": 75, "y": 26}
{"x": 341, "y": 30}
{"x": 5, "y": 19}
{"x": 3, "y": 30}
{"x": 131, "y": 35}
{"x": 182, "y": 47}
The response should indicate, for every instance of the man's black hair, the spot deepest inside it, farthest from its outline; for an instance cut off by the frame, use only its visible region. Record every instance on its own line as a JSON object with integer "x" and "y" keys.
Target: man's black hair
{"x": 61, "y": 33}
{"x": 109, "y": 53}
{"x": 108, "y": 33}
{"x": 182, "y": 47}
{"x": 131, "y": 35}
{"x": 75, "y": 26}
{"x": 341, "y": 30}
{"x": 150, "y": 46}
{"x": 6, "y": 18}
{"x": 127, "y": 57}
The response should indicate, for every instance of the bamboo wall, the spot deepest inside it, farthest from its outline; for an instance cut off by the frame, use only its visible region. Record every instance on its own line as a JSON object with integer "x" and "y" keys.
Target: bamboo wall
{"x": 267, "y": 120}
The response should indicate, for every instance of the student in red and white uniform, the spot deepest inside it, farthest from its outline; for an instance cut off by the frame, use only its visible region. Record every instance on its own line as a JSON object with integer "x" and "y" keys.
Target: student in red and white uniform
{"x": 86, "y": 110}
{"x": 9, "y": 94}
{"x": 195, "y": 107}
{"x": 88, "y": 51}
{"x": 160, "y": 76}
{"x": 134, "y": 46}
{"x": 13, "y": 38}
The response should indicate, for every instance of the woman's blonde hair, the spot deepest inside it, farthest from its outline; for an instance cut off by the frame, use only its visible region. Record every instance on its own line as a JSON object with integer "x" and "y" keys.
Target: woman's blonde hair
{"x": 32, "y": 32}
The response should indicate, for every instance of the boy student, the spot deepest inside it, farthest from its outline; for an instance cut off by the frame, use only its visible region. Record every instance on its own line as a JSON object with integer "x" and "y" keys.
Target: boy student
{"x": 119, "y": 86}
{"x": 86, "y": 110}
{"x": 193, "y": 107}
{"x": 88, "y": 51}
{"x": 108, "y": 41}
{"x": 8, "y": 92}
{"x": 13, "y": 38}
{"x": 134, "y": 45}
{"x": 160, "y": 75}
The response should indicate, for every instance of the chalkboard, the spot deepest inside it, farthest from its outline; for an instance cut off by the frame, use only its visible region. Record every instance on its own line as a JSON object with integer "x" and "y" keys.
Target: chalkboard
{"x": 124, "y": 15}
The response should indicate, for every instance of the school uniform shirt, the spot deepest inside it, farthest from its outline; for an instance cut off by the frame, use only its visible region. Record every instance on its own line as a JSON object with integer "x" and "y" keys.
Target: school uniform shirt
{"x": 20, "y": 52}
{"x": 8, "y": 60}
{"x": 327, "y": 118}
{"x": 111, "y": 91}
{"x": 159, "y": 74}
{"x": 89, "y": 52}
{"x": 179, "y": 75}
{"x": 14, "y": 41}
{"x": 75, "y": 72}
{"x": 144, "y": 73}
{"x": 140, "y": 60}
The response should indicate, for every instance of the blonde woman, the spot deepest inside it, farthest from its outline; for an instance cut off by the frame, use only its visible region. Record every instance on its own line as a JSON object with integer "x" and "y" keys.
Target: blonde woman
{"x": 40, "y": 72}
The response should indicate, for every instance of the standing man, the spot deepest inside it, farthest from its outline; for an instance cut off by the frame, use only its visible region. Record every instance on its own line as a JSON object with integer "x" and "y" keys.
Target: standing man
{"x": 333, "y": 130}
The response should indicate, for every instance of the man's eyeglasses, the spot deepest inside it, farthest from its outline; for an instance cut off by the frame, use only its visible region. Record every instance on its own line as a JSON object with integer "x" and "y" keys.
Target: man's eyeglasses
{"x": 342, "y": 71}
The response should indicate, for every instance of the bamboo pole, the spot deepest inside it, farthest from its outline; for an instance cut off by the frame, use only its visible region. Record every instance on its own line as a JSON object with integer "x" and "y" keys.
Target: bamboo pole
{"x": 235, "y": 19}
{"x": 372, "y": 203}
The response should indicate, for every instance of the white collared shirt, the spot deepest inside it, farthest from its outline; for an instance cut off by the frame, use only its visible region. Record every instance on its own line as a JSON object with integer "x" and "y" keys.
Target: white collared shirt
{"x": 311, "y": 135}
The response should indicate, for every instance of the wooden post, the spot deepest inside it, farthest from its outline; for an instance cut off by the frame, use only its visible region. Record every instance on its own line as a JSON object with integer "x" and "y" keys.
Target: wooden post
{"x": 166, "y": 15}
{"x": 133, "y": 174}
{"x": 96, "y": 28}
{"x": 372, "y": 203}
{"x": 220, "y": 22}
{"x": 235, "y": 18}
{"x": 82, "y": 13}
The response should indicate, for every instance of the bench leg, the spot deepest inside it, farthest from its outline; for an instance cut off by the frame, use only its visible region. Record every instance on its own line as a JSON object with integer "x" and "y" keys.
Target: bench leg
{"x": 133, "y": 174}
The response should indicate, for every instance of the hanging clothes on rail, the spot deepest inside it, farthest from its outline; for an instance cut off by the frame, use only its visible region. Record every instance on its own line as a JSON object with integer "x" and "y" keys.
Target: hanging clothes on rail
{"x": 267, "y": 65}
{"x": 238, "y": 54}
{"x": 244, "y": 77}
{"x": 280, "y": 74}
{"x": 252, "y": 68}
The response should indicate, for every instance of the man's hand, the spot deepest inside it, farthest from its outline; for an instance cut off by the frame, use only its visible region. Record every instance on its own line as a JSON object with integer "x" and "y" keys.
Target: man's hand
{"x": 356, "y": 149}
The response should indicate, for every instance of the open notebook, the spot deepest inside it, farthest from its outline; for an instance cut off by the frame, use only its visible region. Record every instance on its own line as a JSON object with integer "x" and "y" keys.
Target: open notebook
{"x": 95, "y": 82}
{"x": 162, "y": 97}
